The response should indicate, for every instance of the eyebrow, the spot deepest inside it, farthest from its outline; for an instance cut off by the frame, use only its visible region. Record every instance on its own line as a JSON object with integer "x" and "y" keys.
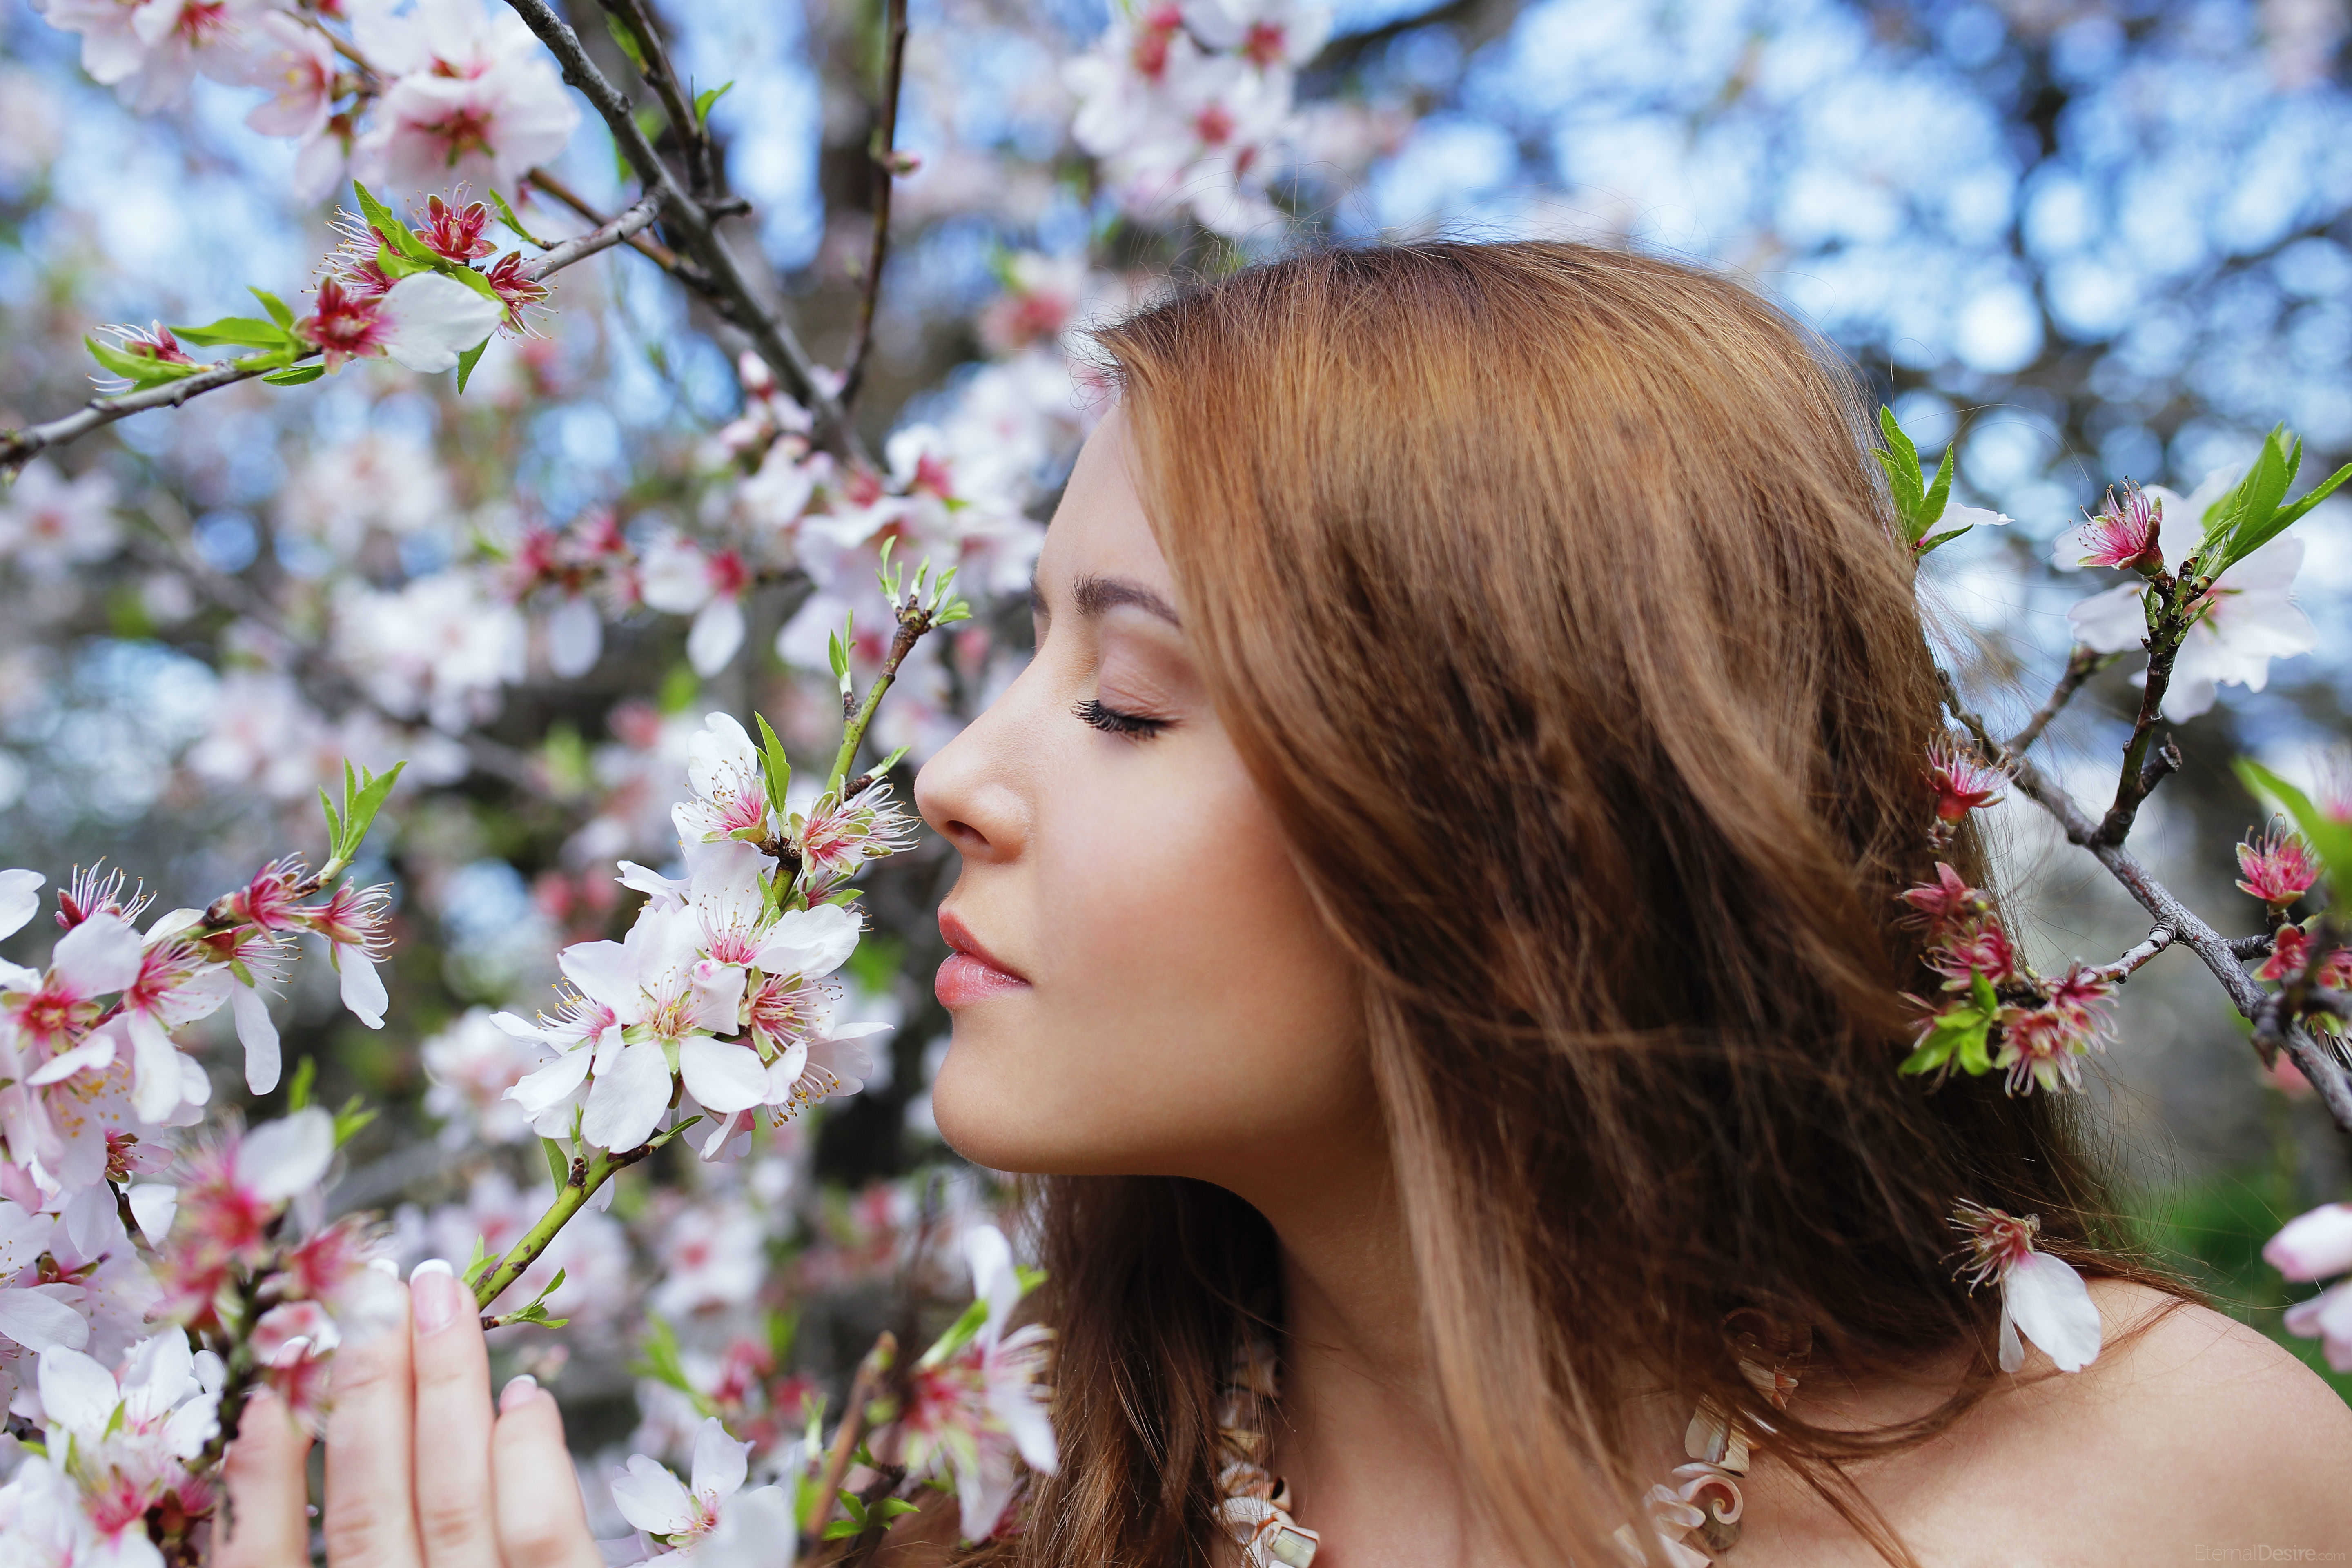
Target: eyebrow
{"x": 1095, "y": 596}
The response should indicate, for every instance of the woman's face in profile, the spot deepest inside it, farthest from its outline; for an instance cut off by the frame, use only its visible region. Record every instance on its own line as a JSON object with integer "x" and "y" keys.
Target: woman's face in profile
{"x": 1141, "y": 984}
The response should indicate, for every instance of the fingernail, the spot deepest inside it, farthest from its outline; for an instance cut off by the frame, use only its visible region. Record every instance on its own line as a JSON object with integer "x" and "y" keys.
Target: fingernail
{"x": 372, "y": 1306}
{"x": 517, "y": 1392}
{"x": 385, "y": 1267}
{"x": 433, "y": 1295}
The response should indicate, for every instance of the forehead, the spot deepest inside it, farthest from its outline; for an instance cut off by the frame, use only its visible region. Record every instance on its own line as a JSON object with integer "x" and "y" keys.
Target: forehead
{"x": 1100, "y": 528}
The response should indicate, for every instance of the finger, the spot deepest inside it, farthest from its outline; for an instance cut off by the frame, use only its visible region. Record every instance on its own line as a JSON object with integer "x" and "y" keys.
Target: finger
{"x": 452, "y": 1421}
{"x": 266, "y": 1523}
{"x": 541, "y": 1522}
{"x": 371, "y": 1507}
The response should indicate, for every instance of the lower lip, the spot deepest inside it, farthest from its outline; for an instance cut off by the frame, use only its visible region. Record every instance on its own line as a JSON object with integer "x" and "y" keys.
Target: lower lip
{"x": 963, "y": 980}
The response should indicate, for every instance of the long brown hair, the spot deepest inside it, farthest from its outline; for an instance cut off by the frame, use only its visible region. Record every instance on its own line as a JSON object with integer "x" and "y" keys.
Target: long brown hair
{"x": 1551, "y": 596}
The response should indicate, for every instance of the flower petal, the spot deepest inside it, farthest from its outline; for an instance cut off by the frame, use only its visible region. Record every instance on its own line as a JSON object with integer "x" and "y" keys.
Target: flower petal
{"x": 720, "y": 1462}
{"x": 103, "y": 954}
{"x": 362, "y": 987}
{"x": 39, "y": 1322}
{"x": 652, "y": 1499}
{"x": 434, "y": 318}
{"x": 722, "y": 1075}
{"x": 625, "y": 1103}
{"x": 717, "y": 633}
{"x": 2053, "y": 1308}
{"x": 259, "y": 1037}
{"x": 2112, "y": 621}
{"x": 20, "y": 899}
{"x": 2312, "y": 1246}
{"x": 290, "y": 1155}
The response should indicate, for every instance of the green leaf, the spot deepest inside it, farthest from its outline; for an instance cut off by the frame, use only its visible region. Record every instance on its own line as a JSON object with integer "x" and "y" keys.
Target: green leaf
{"x": 626, "y": 37}
{"x": 2250, "y": 537}
{"x": 298, "y": 1088}
{"x": 298, "y": 375}
{"x": 136, "y": 369}
{"x": 776, "y": 768}
{"x": 479, "y": 1264}
{"x": 360, "y": 805}
{"x": 274, "y": 305}
{"x": 466, "y": 362}
{"x": 2330, "y": 838}
{"x": 244, "y": 330}
{"x": 396, "y": 267}
{"x": 398, "y": 235}
{"x": 1938, "y": 493}
{"x": 1900, "y": 458}
{"x": 353, "y": 1116}
{"x": 1957, "y": 1033}
{"x": 705, "y": 98}
{"x": 1945, "y": 537}
{"x": 894, "y": 1507}
{"x": 842, "y": 1529}
{"x": 507, "y": 216}
{"x": 559, "y": 1166}
{"x": 657, "y": 1355}
{"x": 960, "y": 1334}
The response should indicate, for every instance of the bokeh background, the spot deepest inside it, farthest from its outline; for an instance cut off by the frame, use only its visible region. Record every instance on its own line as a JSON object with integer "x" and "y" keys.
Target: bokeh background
{"x": 2082, "y": 241}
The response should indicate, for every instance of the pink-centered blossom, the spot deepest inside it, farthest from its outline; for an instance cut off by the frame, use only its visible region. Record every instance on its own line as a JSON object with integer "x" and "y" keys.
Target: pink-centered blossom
{"x": 2291, "y": 952}
{"x": 2125, "y": 531}
{"x": 353, "y": 921}
{"x": 126, "y": 1437}
{"x": 2042, "y": 1297}
{"x": 1272, "y": 34}
{"x": 670, "y": 1003}
{"x": 2247, "y": 618}
{"x": 838, "y": 838}
{"x": 2279, "y": 868}
{"x": 423, "y": 323}
{"x": 1961, "y": 783}
{"x": 474, "y": 98}
{"x": 680, "y": 577}
{"x": 975, "y": 1408}
{"x": 729, "y": 798}
{"x": 294, "y": 62}
{"x": 711, "y": 1520}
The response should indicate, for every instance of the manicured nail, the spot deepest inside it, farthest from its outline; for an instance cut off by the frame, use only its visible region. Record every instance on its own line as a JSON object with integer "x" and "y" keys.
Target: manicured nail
{"x": 371, "y": 1306}
{"x": 385, "y": 1267}
{"x": 517, "y": 1393}
{"x": 433, "y": 1295}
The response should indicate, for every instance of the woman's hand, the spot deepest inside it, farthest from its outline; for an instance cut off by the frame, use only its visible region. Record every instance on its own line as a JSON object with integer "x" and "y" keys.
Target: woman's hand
{"x": 421, "y": 1473}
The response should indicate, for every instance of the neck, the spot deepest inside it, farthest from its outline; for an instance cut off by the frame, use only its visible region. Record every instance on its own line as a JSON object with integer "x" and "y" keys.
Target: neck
{"x": 1360, "y": 1433}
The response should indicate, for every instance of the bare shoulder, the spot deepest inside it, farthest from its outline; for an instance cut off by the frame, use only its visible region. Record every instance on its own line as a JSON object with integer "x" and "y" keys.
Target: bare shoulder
{"x": 2190, "y": 1433}
{"x": 2213, "y": 1426}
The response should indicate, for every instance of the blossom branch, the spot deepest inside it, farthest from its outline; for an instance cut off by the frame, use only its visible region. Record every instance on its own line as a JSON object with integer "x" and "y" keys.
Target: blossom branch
{"x": 2218, "y": 952}
{"x": 881, "y": 152}
{"x": 731, "y": 288}
{"x": 586, "y": 1177}
{"x": 18, "y": 447}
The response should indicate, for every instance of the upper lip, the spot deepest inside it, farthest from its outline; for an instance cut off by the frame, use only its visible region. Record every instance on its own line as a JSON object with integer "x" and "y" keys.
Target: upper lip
{"x": 959, "y": 936}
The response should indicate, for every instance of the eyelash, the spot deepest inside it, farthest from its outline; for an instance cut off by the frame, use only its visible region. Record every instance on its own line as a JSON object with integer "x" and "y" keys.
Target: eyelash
{"x": 1112, "y": 721}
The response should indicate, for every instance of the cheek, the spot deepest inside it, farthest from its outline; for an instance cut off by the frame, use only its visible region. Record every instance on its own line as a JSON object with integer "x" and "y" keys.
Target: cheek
{"x": 1189, "y": 1011}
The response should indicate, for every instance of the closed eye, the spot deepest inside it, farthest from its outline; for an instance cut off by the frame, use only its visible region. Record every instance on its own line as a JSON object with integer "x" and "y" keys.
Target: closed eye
{"x": 1114, "y": 721}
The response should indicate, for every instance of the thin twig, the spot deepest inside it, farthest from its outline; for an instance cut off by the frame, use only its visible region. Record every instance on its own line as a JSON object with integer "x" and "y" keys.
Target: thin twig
{"x": 2139, "y": 773}
{"x": 2190, "y": 930}
{"x": 881, "y": 153}
{"x": 693, "y": 147}
{"x": 617, "y": 231}
{"x": 774, "y": 342}
{"x": 16, "y": 446}
{"x": 644, "y": 245}
{"x": 2081, "y": 665}
{"x": 2123, "y": 968}
{"x": 853, "y": 1427}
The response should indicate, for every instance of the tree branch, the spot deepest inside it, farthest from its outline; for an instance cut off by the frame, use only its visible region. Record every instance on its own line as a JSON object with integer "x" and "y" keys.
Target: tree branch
{"x": 17, "y": 447}
{"x": 881, "y": 154}
{"x": 695, "y": 147}
{"x": 2189, "y": 928}
{"x": 775, "y": 342}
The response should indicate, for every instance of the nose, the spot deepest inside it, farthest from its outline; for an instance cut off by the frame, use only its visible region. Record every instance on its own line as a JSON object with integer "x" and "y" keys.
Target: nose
{"x": 969, "y": 792}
